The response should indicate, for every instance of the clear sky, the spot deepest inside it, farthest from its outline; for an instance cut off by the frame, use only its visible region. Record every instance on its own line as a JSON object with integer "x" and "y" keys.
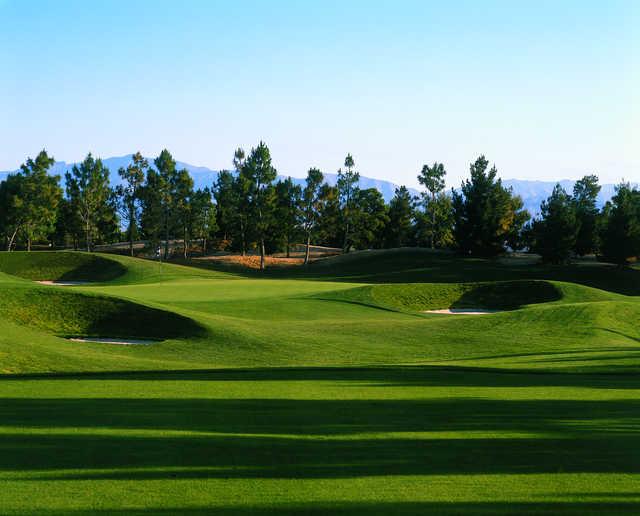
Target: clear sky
{"x": 545, "y": 89}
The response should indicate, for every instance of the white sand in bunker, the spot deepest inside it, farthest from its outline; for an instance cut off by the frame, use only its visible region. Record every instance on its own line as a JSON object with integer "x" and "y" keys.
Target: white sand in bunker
{"x": 116, "y": 340}
{"x": 63, "y": 283}
{"x": 462, "y": 311}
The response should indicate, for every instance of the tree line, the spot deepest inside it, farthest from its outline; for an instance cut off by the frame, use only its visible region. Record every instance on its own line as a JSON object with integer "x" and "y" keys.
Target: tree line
{"x": 247, "y": 210}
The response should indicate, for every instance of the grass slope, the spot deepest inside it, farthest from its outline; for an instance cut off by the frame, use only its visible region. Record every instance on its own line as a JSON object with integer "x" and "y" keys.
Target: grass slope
{"x": 324, "y": 390}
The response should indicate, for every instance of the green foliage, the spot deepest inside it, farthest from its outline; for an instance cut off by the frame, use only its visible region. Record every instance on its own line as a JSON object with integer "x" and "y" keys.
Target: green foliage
{"x": 370, "y": 219}
{"x": 401, "y": 214}
{"x": 434, "y": 224}
{"x": 555, "y": 232}
{"x": 129, "y": 195}
{"x": 259, "y": 174}
{"x": 29, "y": 202}
{"x": 90, "y": 197}
{"x": 286, "y": 225}
{"x": 585, "y": 195}
{"x": 347, "y": 194}
{"x": 310, "y": 206}
{"x": 485, "y": 213}
{"x": 330, "y": 229}
{"x": 620, "y": 234}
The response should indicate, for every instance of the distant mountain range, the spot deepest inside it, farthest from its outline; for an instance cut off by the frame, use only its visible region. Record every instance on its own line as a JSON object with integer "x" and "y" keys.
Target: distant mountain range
{"x": 532, "y": 192}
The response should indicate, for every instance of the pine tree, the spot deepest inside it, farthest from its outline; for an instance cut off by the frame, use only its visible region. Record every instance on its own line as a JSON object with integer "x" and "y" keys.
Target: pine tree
{"x": 555, "y": 232}
{"x": 585, "y": 195}
{"x": 401, "y": 212}
{"x": 348, "y": 192}
{"x": 620, "y": 233}
{"x": 432, "y": 177}
{"x": 89, "y": 192}
{"x": 260, "y": 174}
{"x": 37, "y": 198}
{"x": 310, "y": 212}
{"x": 287, "y": 212}
{"x": 129, "y": 194}
{"x": 485, "y": 214}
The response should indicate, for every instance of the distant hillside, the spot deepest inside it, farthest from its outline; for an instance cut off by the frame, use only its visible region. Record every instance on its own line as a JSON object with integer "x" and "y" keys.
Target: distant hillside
{"x": 532, "y": 192}
{"x": 203, "y": 176}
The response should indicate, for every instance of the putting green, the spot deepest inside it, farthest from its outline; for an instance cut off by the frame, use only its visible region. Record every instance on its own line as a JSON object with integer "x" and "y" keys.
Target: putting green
{"x": 319, "y": 390}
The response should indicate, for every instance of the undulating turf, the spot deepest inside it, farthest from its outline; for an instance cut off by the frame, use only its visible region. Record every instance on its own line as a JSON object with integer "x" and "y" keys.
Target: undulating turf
{"x": 320, "y": 390}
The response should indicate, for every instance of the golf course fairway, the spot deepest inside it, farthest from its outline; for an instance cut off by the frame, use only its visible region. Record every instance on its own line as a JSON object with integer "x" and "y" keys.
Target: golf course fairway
{"x": 319, "y": 390}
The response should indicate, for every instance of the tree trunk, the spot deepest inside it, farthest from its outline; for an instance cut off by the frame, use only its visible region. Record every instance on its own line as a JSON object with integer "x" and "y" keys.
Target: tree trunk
{"x": 288, "y": 247}
{"x": 13, "y": 237}
{"x": 306, "y": 253}
{"x": 261, "y": 254}
{"x": 243, "y": 239}
{"x": 204, "y": 246}
{"x": 166, "y": 237}
{"x": 345, "y": 246}
{"x": 433, "y": 221}
{"x": 29, "y": 244}
{"x": 131, "y": 226}
{"x": 185, "y": 243}
{"x": 86, "y": 232}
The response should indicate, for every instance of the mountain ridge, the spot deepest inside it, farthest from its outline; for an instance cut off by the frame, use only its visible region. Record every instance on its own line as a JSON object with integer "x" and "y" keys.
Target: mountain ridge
{"x": 532, "y": 191}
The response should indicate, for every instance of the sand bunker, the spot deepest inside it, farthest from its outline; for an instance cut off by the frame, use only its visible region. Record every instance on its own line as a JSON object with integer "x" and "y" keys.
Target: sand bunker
{"x": 462, "y": 311}
{"x": 115, "y": 340}
{"x": 64, "y": 283}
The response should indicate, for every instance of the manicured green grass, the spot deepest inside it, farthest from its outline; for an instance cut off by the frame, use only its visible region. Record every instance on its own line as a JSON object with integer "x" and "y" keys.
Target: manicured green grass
{"x": 322, "y": 390}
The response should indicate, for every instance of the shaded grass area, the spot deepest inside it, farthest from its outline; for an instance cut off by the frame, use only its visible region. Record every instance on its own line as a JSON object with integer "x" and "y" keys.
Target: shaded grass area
{"x": 71, "y": 313}
{"x": 416, "y": 265}
{"x": 378, "y": 439}
{"x": 60, "y": 266}
{"x": 417, "y": 297}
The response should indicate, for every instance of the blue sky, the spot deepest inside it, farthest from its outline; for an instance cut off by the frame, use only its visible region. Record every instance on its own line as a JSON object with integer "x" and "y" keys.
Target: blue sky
{"x": 547, "y": 90}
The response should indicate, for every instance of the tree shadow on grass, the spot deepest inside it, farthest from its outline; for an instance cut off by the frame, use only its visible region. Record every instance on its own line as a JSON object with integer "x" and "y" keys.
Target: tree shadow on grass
{"x": 385, "y": 508}
{"x": 283, "y": 438}
{"x": 383, "y": 376}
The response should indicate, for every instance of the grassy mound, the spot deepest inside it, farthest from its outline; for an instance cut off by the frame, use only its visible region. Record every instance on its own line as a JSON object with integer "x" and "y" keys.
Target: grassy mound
{"x": 417, "y": 297}
{"x": 69, "y": 313}
{"x": 60, "y": 266}
{"x": 417, "y": 265}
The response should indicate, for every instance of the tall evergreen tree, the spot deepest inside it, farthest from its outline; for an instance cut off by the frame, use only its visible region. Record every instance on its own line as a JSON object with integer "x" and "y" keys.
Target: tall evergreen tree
{"x": 585, "y": 195}
{"x": 370, "y": 218}
{"x": 310, "y": 206}
{"x": 432, "y": 178}
{"x": 260, "y": 174}
{"x": 484, "y": 212}
{"x": 203, "y": 217}
{"x": 12, "y": 215}
{"x": 329, "y": 228}
{"x": 129, "y": 194}
{"x": 37, "y": 196}
{"x": 555, "y": 232}
{"x": 620, "y": 234}
{"x": 89, "y": 193}
{"x": 401, "y": 211}
{"x": 348, "y": 191}
{"x": 151, "y": 218}
{"x": 434, "y": 223}
{"x": 181, "y": 209}
{"x": 287, "y": 212}
{"x": 166, "y": 167}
